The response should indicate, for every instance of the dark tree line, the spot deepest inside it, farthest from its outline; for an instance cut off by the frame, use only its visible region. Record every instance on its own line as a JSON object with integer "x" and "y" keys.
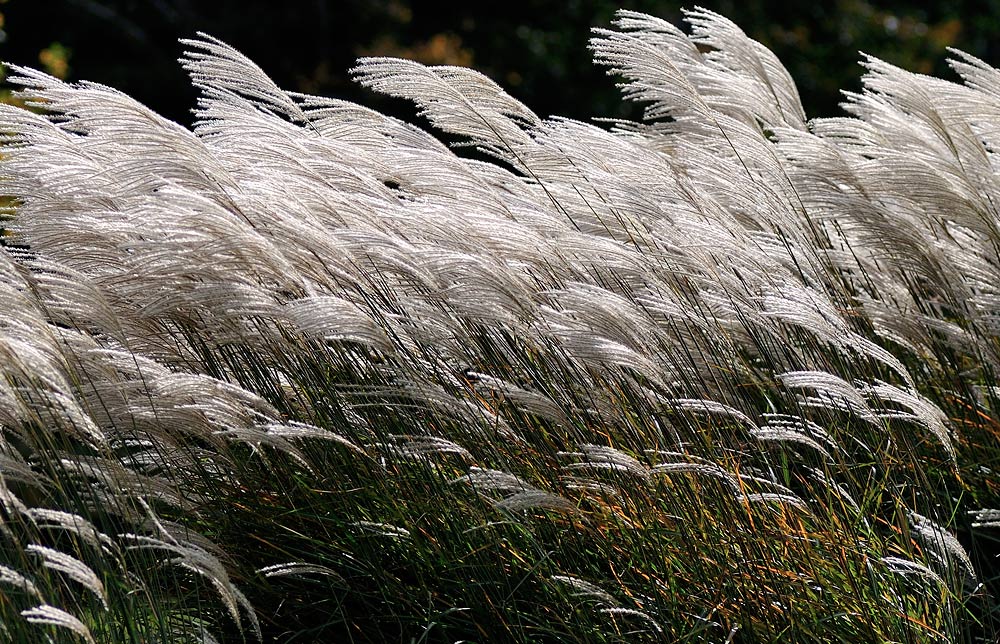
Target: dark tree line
{"x": 535, "y": 49}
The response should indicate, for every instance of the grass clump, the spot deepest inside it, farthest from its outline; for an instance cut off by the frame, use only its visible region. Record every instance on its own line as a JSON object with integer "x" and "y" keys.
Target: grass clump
{"x": 303, "y": 373}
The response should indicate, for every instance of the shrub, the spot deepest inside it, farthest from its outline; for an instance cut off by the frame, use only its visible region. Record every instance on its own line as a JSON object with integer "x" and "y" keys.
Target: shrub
{"x": 306, "y": 374}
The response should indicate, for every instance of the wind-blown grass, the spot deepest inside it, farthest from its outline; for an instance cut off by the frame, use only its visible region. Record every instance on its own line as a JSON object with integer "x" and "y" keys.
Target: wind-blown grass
{"x": 306, "y": 374}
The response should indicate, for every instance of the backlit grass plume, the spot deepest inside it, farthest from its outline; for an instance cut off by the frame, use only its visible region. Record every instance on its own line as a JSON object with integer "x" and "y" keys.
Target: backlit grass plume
{"x": 304, "y": 373}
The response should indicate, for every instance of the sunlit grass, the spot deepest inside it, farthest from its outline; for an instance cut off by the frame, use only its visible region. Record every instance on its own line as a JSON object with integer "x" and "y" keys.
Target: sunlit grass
{"x": 306, "y": 374}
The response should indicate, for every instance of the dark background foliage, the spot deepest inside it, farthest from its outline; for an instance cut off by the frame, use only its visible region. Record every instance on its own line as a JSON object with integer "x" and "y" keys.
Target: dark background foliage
{"x": 535, "y": 49}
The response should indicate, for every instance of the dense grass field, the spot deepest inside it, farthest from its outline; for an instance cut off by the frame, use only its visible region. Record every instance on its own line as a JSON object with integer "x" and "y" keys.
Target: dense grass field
{"x": 308, "y": 373}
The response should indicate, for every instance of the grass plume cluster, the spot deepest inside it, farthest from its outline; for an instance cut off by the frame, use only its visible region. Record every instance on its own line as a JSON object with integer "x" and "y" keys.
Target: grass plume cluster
{"x": 305, "y": 373}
